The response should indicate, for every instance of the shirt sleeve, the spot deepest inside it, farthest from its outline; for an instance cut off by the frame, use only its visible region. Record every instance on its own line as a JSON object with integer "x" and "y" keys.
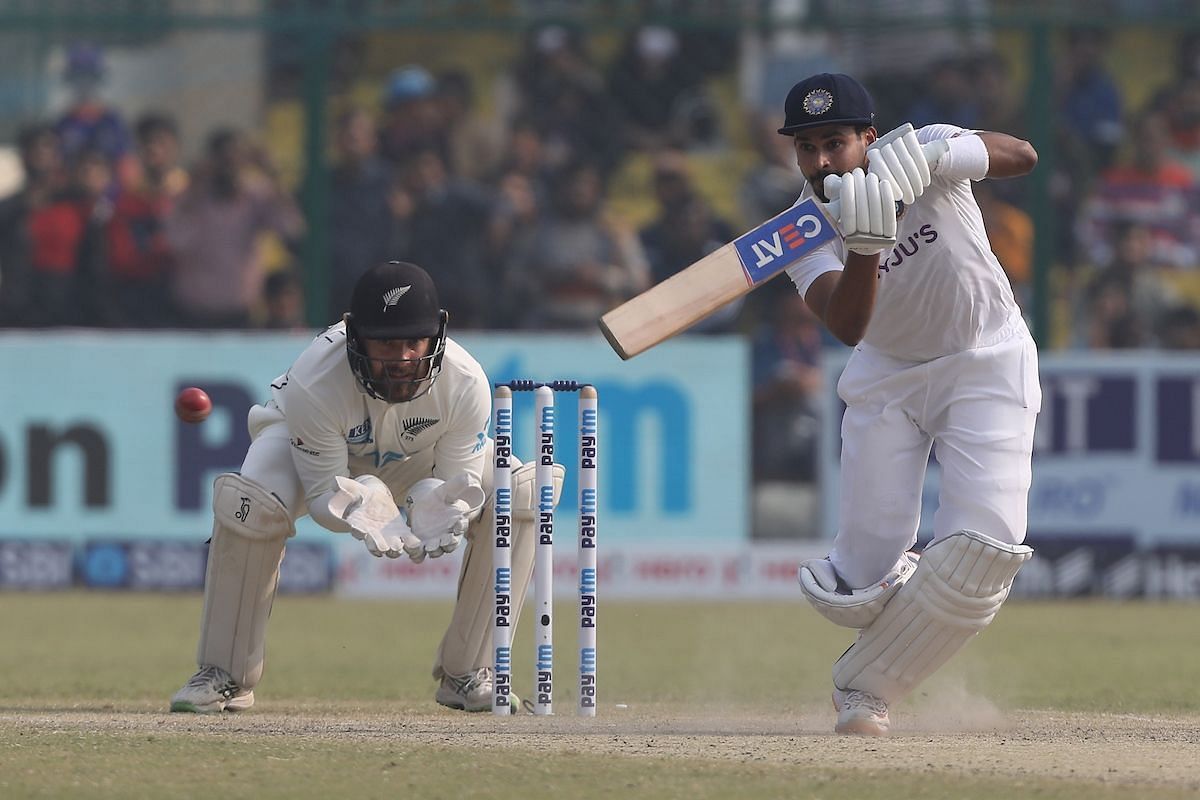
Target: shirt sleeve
{"x": 318, "y": 444}
{"x": 808, "y": 268}
{"x": 461, "y": 448}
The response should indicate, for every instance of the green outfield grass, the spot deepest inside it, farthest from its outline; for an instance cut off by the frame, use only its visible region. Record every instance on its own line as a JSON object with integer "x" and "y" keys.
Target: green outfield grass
{"x": 115, "y": 659}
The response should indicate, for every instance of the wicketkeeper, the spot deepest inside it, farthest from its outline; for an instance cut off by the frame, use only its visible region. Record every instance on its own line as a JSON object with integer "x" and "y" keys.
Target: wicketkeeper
{"x": 381, "y": 410}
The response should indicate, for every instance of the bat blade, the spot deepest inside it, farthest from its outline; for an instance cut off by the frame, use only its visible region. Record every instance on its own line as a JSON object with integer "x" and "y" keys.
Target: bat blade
{"x": 721, "y": 277}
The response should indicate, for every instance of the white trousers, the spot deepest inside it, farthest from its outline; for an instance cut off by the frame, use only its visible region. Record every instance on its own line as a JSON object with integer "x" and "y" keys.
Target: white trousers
{"x": 976, "y": 409}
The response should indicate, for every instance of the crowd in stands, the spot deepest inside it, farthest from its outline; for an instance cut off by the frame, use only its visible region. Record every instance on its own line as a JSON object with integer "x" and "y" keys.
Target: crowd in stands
{"x": 511, "y": 210}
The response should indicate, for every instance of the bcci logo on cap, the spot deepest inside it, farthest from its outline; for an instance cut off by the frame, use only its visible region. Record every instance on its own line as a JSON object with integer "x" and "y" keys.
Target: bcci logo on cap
{"x": 780, "y": 241}
{"x": 817, "y": 102}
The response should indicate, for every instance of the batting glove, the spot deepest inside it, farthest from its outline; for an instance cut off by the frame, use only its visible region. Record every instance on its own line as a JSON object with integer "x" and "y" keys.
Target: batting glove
{"x": 898, "y": 158}
{"x": 439, "y": 513}
{"x": 866, "y": 213}
{"x": 366, "y": 505}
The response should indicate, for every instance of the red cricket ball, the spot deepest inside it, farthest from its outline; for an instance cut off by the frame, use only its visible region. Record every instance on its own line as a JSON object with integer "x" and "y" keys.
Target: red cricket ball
{"x": 193, "y": 405}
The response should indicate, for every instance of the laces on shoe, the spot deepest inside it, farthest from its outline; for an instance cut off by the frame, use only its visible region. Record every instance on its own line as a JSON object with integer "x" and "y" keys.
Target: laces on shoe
{"x": 217, "y": 679}
{"x": 464, "y": 684}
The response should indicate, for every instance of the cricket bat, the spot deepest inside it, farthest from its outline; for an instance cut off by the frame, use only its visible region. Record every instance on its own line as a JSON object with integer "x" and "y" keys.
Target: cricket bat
{"x": 726, "y": 274}
{"x": 719, "y": 278}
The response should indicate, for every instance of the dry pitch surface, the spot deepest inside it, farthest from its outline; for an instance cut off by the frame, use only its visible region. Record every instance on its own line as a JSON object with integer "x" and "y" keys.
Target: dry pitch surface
{"x": 968, "y": 738}
{"x": 1083, "y": 700}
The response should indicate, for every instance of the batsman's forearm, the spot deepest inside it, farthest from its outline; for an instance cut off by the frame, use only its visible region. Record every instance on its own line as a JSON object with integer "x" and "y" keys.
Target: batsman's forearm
{"x": 853, "y": 299}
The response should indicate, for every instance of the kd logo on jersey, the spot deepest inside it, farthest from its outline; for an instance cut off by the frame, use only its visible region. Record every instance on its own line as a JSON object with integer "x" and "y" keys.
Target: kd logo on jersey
{"x": 780, "y": 241}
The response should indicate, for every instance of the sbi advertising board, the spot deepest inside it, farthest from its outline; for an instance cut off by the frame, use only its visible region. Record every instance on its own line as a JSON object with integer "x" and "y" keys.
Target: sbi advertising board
{"x": 90, "y": 447}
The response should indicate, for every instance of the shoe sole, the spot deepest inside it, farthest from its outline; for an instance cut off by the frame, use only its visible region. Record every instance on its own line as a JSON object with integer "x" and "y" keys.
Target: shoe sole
{"x": 857, "y": 727}
{"x": 458, "y": 705}
{"x": 184, "y": 707}
{"x": 240, "y": 703}
{"x": 860, "y": 727}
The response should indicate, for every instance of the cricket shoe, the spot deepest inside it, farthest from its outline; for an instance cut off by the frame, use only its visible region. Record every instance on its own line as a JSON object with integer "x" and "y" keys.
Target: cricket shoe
{"x": 211, "y": 691}
{"x": 860, "y": 713}
{"x": 471, "y": 692}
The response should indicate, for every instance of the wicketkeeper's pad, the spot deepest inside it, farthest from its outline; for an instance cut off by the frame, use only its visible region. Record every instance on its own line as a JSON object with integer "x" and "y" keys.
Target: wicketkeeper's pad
{"x": 958, "y": 586}
{"x": 467, "y": 645}
{"x": 250, "y": 526}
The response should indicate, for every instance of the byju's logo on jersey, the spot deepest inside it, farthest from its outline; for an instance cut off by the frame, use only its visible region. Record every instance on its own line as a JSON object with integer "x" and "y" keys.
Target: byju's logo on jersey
{"x": 776, "y": 244}
{"x": 391, "y": 297}
{"x": 360, "y": 434}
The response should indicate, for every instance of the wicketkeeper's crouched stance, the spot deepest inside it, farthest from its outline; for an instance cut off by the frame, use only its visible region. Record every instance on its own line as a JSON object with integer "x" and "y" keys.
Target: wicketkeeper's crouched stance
{"x": 387, "y": 398}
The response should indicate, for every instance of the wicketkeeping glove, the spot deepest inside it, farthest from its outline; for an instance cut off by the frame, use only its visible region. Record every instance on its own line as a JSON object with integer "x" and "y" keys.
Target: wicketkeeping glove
{"x": 366, "y": 504}
{"x": 898, "y": 158}
{"x": 866, "y": 211}
{"x": 439, "y": 513}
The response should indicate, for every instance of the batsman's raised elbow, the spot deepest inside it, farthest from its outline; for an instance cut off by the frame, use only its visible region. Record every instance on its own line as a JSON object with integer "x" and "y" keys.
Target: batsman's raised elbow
{"x": 1026, "y": 157}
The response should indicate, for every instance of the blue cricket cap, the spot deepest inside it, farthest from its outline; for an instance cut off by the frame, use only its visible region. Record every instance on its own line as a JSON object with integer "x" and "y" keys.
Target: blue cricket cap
{"x": 828, "y": 98}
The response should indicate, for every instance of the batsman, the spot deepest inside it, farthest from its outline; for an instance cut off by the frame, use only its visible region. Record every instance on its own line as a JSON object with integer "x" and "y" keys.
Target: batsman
{"x": 942, "y": 360}
{"x": 381, "y": 407}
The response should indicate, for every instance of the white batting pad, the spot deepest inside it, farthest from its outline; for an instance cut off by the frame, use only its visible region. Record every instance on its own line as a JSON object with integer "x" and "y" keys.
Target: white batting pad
{"x": 250, "y": 526}
{"x": 851, "y": 608}
{"x": 958, "y": 586}
{"x": 467, "y": 645}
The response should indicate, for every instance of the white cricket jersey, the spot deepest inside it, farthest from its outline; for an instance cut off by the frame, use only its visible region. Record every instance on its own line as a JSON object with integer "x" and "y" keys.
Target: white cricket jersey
{"x": 338, "y": 429}
{"x": 941, "y": 289}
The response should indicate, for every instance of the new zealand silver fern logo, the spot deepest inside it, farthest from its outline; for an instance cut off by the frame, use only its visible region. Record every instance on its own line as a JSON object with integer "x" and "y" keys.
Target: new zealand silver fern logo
{"x": 393, "y": 296}
{"x": 414, "y": 426}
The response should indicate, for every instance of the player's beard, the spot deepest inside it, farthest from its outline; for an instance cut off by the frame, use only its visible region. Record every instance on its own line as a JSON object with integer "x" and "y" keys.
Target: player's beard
{"x": 401, "y": 387}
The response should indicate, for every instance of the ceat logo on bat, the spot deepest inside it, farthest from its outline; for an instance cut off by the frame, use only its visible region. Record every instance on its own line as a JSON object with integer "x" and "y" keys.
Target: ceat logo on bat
{"x": 780, "y": 241}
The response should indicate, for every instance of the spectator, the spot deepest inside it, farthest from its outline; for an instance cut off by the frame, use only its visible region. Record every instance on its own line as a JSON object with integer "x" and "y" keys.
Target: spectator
{"x": 950, "y": 96}
{"x": 1180, "y": 107}
{"x": 139, "y": 255}
{"x": 216, "y": 227}
{"x": 1088, "y": 133}
{"x": 283, "y": 300}
{"x": 412, "y": 117}
{"x": 1126, "y": 298}
{"x": 1179, "y": 329}
{"x": 684, "y": 231}
{"x": 773, "y": 184}
{"x": 1152, "y": 190}
{"x": 475, "y": 144}
{"x": 89, "y": 123}
{"x": 526, "y": 156}
{"x": 579, "y": 261}
{"x": 443, "y": 222}
{"x": 660, "y": 96}
{"x": 41, "y": 160}
{"x": 1089, "y": 99}
{"x": 1000, "y": 109}
{"x": 893, "y": 59}
{"x": 786, "y": 371}
{"x": 69, "y": 252}
{"x": 555, "y": 85}
{"x": 360, "y": 222}
{"x": 514, "y": 218}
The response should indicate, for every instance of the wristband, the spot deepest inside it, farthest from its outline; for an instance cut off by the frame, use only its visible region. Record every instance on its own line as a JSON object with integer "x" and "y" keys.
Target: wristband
{"x": 966, "y": 158}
